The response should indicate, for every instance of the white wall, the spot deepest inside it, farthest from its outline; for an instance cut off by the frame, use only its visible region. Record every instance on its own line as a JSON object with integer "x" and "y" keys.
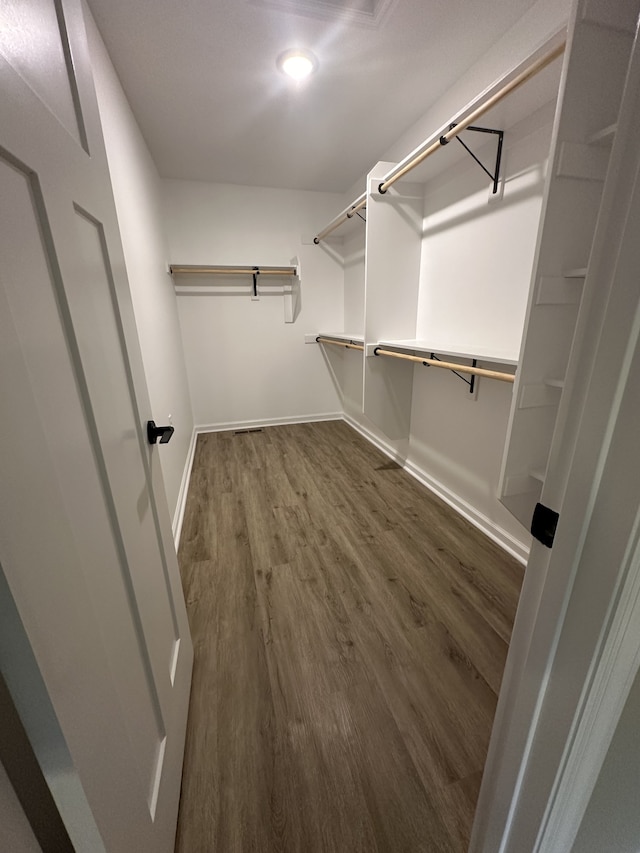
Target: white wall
{"x": 244, "y": 363}
{"x": 541, "y": 21}
{"x": 137, "y": 197}
{"x": 478, "y": 249}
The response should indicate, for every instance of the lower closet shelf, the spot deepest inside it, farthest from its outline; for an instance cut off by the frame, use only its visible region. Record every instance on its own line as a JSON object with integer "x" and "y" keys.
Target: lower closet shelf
{"x": 419, "y": 353}
{"x": 418, "y": 347}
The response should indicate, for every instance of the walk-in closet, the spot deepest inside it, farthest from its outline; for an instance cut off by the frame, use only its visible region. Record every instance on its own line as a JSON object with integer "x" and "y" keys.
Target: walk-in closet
{"x": 320, "y": 504}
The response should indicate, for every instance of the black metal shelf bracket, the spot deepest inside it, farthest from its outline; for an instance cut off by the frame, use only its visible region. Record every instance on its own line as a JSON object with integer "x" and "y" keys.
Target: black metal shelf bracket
{"x": 470, "y": 382}
{"x": 256, "y": 273}
{"x": 495, "y": 176}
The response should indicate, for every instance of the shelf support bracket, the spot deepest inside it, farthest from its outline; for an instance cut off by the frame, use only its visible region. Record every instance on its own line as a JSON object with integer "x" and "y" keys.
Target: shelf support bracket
{"x": 495, "y": 175}
{"x": 470, "y": 382}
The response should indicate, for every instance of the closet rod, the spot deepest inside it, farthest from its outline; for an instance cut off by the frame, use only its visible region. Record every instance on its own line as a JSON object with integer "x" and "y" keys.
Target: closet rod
{"x": 196, "y": 270}
{"x": 448, "y": 365}
{"x": 339, "y": 344}
{"x": 521, "y": 78}
{"x": 353, "y": 208}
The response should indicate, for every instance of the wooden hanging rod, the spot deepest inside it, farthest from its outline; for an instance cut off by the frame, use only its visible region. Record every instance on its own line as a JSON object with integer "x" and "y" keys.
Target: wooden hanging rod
{"x": 342, "y": 344}
{"x": 518, "y": 80}
{"x": 174, "y": 269}
{"x": 348, "y": 213}
{"x": 448, "y": 365}
{"x": 450, "y": 134}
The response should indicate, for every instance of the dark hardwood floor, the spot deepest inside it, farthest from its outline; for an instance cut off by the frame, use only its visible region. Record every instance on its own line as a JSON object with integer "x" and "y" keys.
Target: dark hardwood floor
{"x": 350, "y": 634}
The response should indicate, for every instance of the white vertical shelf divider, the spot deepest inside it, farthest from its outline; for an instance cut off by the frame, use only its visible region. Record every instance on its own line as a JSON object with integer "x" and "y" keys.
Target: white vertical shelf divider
{"x": 392, "y": 274}
{"x": 354, "y": 255}
{"x": 591, "y": 89}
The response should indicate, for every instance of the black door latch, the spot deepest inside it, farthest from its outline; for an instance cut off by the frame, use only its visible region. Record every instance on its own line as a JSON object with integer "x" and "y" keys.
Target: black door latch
{"x": 544, "y": 523}
{"x": 154, "y": 433}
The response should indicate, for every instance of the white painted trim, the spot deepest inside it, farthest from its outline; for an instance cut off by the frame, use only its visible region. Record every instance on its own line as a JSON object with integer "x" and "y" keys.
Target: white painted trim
{"x": 371, "y": 437}
{"x": 615, "y": 666}
{"x": 497, "y": 534}
{"x": 267, "y": 422}
{"x": 178, "y": 516}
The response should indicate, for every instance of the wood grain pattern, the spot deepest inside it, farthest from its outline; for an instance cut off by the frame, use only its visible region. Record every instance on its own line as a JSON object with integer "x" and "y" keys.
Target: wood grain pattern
{"x": 350, "y": 633}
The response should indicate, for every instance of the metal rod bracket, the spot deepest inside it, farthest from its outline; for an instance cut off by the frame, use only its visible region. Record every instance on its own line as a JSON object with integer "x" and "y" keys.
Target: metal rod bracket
{"x": 470, "y": 382}
{"x": 495, "y": 175}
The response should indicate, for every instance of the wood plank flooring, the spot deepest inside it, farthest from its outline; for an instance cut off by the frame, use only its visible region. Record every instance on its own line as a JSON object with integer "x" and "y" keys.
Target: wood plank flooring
{"x": 350, "y": 634}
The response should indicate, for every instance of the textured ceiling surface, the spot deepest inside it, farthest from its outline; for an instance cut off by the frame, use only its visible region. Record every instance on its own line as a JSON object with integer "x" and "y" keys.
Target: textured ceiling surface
{"x": 202, "y": 81}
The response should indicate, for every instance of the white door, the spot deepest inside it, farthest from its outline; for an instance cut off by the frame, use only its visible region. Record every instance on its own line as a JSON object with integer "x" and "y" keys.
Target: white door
{"x": 85, "y": 544}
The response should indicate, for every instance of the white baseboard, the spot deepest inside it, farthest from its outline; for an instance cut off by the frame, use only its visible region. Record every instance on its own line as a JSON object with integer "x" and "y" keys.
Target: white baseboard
{"x": 267, "y": 422}
{"x": 178, "y": 516}
{"x": 500, "y": 536}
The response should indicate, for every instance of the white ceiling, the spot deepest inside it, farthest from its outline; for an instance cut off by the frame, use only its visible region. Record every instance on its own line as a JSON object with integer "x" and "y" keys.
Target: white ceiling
{"x": 201, "y": 78}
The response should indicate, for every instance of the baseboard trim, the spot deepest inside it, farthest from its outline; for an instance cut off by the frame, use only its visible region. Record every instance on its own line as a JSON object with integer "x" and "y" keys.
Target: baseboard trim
{"x": 505, "y": 540}
{"x": 267, "y": 422}
{"x": 178, "y": 516}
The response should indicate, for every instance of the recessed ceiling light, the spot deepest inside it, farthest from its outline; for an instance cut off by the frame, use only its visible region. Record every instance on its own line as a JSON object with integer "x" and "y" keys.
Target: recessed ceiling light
{"x": 298, "y": 64}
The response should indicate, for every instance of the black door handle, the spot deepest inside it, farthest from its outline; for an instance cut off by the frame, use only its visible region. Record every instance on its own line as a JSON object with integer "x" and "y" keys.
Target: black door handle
{"x": 154, "y": 433}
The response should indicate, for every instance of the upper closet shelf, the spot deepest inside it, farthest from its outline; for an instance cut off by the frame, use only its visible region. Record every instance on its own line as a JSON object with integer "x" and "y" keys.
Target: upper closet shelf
{"x": 496, "y": 111}
{"x": 195, "y": 269}
{"x": 340, "y": 339}
{"x": 413, "y": 347}
{"x": 493, "y": 106}
{"x": 254, "y": 279}
{"x": 344, "y": 337}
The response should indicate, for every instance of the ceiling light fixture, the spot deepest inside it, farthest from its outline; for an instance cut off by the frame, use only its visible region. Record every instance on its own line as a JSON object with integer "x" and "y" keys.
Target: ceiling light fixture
{"x": 296, "y": 63}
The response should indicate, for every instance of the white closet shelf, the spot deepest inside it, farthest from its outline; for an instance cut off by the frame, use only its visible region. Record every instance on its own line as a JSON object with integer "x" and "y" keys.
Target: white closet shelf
{"x": 222, "y": 270}
{"x": 425, "y": 348}
{"x": 254, "y": 280}
{"x": 344, "y": 337}
{"x": 540, "y": 88}
{"x": 541, "y": 74}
